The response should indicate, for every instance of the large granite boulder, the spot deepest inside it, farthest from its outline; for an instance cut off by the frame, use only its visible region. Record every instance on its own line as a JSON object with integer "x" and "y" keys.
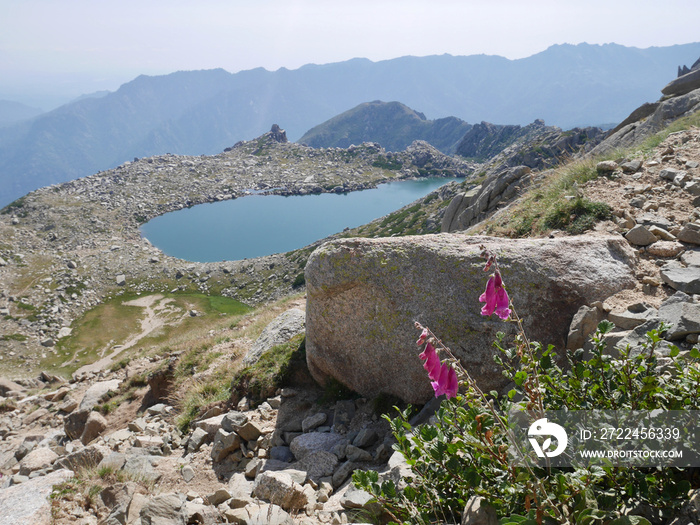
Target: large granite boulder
{"x": 364, "y": 296}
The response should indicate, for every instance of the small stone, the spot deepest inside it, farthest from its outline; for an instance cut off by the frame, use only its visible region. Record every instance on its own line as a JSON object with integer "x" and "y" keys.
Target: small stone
{"x": 606, "y": 166}
{"x": 357, "y": 454}
{"x": 197, "y": 439}
{"x": 365, "y": 438}
{"x": 668, "y": 173}
{"x": 218, "y": 497}
{"x": 640, "y": 236}
{"x": 665, "y": 249}
{"x": 690, "y": 233}
{"x": 661, "y": 233}
{"x": 313, "y": 422}
{"x": 94, "y": 426}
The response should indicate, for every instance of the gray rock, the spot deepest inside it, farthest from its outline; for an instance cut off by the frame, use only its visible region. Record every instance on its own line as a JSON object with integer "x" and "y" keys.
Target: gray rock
{"x": 233, "y": 420}
{"x": 258, "y": 514}
{"x": 640, "y": 236}
{"x": 94, "y": 394}
{"x": 683, "y": 313}
{"x": 319, "y": 465}
{"x": 477, "y": 512}
{"x": 364, "y": 295}
{"x": 606, "y": 166}
{"x": 693, "y": 187}
{"x": 38, "y": 459}
{"x": 583, "y": 324}
{"x": 9, "y": 386}
{"x": 662, "y": 234}
{"x": 631, "y": 167}
{"x": 197, "y": 439}
{"x": 356, "y": 454}
{"x": 279, "y": 331}
{"x": 668, "y": 173}
{"x": 305, "y": 444}
{"x": 691, "y": 258}
{"x": 187, "y": 473}
{"x": 29, "y": 503}
{"x": 342, "y": 473}
{"x": 210, "y": 425}
{"x": 74, "y": 423}
{"x": 120, "y": 279}
{"x": 166, "y": 509}
{"x": 312, "y": 422}
{"x": 665, "y": 249}
{"x": 683, "y": 84}
{"x": 250, "y": 431}
{"x": 117, "y": 498}
{"x": 114, "y": 461}
{"x": 218, "y": 497}
{"x": 281, "y": 453}
{"x": 142, "y": 466}
{"x": 279, "y": 489}
{"x": 690, "y": 233}
{"x": 685, "y": 280}
{"x": 94, "y": 426}
{"x": 354, "y": 498}
{"x": 224, "y": 444}
{"x": 632, "y": 316}
{"x": 365, "y": 438}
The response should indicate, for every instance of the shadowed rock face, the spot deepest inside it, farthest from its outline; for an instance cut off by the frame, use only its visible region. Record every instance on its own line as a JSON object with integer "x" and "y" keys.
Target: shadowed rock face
{"x": 364, "y": 295}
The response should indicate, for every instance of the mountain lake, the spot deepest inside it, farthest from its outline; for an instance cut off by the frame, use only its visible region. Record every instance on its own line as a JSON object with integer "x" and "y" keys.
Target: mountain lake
{"x": 258, "y": 225}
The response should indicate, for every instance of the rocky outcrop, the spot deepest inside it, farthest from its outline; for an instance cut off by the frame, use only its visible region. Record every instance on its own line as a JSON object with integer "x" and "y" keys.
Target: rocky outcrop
{"x": 29, "y": 504}
{"x": 685, "y": 83}
{"x": 536, "y": 146}
{"x": 363, "y": 296}
{"x": 681, "y": 97}
{"x": 278, "y": 332}
{"x": 636, "y": 132}
{"x": 472, "y": 206}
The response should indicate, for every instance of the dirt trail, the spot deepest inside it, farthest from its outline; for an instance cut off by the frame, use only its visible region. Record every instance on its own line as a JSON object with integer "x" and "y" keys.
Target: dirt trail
{"x": 156, "y": 310}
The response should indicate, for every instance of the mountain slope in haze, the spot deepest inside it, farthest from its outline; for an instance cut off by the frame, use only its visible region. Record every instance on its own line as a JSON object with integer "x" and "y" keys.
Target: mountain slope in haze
{"x": 12, "y": 112}
{"x": 203, "y": 112}
{"x": 391, "y": 124}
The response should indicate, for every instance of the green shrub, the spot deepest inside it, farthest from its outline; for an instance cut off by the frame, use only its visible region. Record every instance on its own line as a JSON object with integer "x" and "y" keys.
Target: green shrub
{"x": 577, "y": 215}
{"x": 464, "y": 452}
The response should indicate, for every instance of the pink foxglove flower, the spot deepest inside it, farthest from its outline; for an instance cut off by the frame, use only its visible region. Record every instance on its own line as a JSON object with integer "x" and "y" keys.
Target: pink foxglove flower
{"x": 495, "y": 297}
{"x": 447, "y": 382}
{"x": 423, "y": 337}
{"x": 432, "y": 361}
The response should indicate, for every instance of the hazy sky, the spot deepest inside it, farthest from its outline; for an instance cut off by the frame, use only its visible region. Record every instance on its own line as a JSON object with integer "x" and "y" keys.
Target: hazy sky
{"x": 70, "y": 47}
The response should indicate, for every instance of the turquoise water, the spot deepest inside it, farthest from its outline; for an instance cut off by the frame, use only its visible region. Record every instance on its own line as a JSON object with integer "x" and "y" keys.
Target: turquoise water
{"x": 257, "y": 225}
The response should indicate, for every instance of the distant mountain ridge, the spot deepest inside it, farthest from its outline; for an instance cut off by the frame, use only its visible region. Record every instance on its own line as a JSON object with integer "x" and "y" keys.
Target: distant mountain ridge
{"x": 203, "y": 112}
{"x": 392, "y": 124}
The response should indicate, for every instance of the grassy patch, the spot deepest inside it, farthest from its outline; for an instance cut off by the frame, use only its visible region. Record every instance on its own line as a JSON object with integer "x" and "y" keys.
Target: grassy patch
{"x": 13, "y": 337}
{"x": 112, "y": 323}
{"x": 546, "y": 204}
{"x": 273, "y": 370}
{"x": 681, "y": 124}
{"x": 576, "y": 215}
